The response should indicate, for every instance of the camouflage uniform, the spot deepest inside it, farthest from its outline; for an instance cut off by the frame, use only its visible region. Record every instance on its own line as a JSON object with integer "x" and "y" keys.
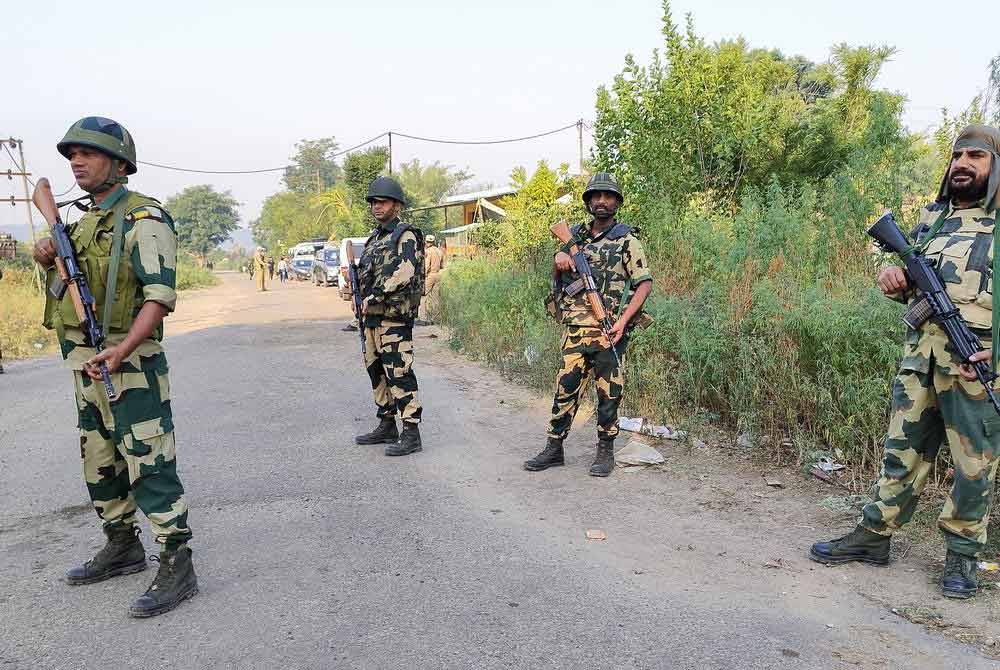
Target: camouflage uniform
{"x": 433, "y": 264}
{"x": 127, "y": 444}
{"x": 619, "y": 264}
{"x": 260, "y": 270}
{"x": 391, "y": 275}
{"x": 931, "y": 402}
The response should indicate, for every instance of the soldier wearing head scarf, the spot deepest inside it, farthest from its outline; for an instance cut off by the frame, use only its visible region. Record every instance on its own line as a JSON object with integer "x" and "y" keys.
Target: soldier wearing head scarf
{"x": 126, "y": 245}
{"x": 619, "y": 266}
{"x": 935, "y": 397}
{"x": 391, "y": 273}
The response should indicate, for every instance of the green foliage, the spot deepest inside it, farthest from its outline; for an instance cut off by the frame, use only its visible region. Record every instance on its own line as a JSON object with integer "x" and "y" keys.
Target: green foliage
{"x": 204, "y": 219}
{"x": 313, "y": 166}
{"x": 524, "y": 235}
{"x": 725, "y": 118}
{"x": 192, "y": 276}
{"x": 426, "y": 185}
{"x": 360, "y": 168}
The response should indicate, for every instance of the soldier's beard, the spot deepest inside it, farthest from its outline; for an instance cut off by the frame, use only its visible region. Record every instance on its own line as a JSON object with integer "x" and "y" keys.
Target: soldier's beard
{"x": 974, "y": 189}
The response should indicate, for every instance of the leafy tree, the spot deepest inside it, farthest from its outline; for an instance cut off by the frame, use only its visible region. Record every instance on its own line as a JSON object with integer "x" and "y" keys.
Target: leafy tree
{"x": 360, "y": 168}
{"x": 204, "y": 219}
{"x": 426, "y": 185}
{"x": 314, "y": 168}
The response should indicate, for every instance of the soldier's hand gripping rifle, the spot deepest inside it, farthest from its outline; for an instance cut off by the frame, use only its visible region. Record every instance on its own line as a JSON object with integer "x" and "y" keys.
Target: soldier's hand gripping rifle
{"x": 71, "y": 278}
{"x": 352, "y": 274}
{"x": 934, "y": 303}
{"x": 563, "y": 234}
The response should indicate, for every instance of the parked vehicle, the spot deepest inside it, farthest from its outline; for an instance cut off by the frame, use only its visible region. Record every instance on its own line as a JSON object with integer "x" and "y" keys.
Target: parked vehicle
{"x": 326, "y": 266}
{"x": 302, "y": 268}
{"x": 359, "y": 248}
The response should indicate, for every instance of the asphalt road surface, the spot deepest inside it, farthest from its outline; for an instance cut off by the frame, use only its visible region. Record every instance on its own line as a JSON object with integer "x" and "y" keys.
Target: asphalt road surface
{"x": 316, "y": 553}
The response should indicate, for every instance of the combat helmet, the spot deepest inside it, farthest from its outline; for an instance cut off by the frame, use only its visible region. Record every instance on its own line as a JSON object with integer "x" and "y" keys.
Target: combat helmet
{"x": 108, "y": 137}
{"x": 602, "y": 181}
{"x": 385, "y": 187}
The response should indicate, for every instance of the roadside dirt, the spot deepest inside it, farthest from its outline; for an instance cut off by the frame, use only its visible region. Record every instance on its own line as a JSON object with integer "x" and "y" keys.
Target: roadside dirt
{"x": 720, "y": 485}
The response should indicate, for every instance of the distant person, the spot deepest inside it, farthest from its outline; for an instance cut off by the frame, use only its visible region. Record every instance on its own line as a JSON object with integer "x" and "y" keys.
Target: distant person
{"x": 270, "y": 268}
{"x": 433, "y": 264}
{"x": 619, "y": 266}
{"x": 282, "y": 270}
{"x": 126, "y": 442}
{"x": 936, "y": 398}
{"x": 260, "y": 269}
{"x": 391, "y": 275}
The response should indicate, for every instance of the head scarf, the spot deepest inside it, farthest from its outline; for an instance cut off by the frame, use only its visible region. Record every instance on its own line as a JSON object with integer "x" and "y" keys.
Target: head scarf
{"x": 986, "y": 138}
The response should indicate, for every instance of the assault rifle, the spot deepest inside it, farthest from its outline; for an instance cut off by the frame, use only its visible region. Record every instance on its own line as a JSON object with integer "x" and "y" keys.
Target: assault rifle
{"x": 934, "y": 303}
{"x": 563, "y": 234}
{"x": 352, "y": 273}
{"x": 71, "y": 278}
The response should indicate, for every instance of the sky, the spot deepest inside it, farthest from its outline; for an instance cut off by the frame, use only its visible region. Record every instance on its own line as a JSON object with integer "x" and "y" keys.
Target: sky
{"x": 233, "y": 86}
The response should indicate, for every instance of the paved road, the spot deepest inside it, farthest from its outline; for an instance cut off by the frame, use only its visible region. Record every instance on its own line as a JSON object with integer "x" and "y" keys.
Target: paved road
{"x": 315, "y": 553}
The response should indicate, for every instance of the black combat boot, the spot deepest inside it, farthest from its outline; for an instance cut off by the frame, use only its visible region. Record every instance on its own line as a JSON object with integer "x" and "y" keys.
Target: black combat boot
{"x": 409, "y": 441}
{"x": 175, "y": 582}
{"x": 605, "y": 461}
{"x": 550, "y": 456}
{"x": 350, "y": 328}
{"x": 860, "y": 544}
{"x": 386, "y": 433}
{"x": 959, "y": 579}
{"x": 122, "y": 555}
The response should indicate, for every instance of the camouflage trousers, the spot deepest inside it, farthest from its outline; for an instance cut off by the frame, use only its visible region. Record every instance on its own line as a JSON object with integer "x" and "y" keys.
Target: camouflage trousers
{"x": 584, "y": 354}
{"x": 432, "y": 289}
{"x": 389, "y": 361}
{"x": 928, "y": 408}
{"x": 128, "y": 450}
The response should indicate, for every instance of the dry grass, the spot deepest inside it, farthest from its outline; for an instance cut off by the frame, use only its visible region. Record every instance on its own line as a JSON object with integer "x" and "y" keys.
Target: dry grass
{"x": 21, "y": 304}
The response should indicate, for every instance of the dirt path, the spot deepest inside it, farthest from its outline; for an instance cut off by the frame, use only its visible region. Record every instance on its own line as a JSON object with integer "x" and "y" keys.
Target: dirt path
{"x": 316, "y": 553}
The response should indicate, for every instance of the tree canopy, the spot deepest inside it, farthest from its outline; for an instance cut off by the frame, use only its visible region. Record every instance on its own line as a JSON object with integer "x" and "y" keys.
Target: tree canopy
{"x": 204, "y": 219}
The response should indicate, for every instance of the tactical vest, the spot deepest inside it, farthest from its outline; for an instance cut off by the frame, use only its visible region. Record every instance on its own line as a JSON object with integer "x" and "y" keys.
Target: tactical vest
{"x": 401, "y": 305}
{"x": 92, "y": 240}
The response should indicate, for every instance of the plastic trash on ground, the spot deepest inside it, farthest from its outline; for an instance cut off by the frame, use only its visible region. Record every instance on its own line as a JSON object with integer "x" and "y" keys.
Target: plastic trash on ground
{"x": 640, "y": 425}
{"x": 827, "y": 464}
{"x": 637, "y": 453}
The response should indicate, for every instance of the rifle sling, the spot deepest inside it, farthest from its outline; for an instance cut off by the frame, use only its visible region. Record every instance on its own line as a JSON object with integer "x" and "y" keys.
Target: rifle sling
{"x": 111, "y": 284}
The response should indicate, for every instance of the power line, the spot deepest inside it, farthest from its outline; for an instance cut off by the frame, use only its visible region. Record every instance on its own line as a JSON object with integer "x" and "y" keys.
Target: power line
{"x": 477, "y": 142}
{"x": 367, "y": 142}
{"x": 24, "y": 168}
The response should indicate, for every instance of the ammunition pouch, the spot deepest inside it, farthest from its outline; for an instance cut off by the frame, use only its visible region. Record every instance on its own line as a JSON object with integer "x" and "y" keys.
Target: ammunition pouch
{"x": 918, "y": 313}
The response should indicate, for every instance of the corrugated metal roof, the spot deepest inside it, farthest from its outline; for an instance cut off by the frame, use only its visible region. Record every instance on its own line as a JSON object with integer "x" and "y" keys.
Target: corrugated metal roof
{"x": 463, "y": 198}
{"x": 462, "y": 229}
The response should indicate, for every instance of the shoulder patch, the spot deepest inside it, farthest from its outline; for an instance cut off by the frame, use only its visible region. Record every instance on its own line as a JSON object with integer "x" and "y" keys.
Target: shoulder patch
{"x": 148, "y": 212}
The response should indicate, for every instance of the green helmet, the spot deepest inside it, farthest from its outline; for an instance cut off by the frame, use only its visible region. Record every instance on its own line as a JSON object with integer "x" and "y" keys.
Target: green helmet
{"x": 385, "y": 187}
{"x": 602, "y": 181}
{"x": 105, "y": 135}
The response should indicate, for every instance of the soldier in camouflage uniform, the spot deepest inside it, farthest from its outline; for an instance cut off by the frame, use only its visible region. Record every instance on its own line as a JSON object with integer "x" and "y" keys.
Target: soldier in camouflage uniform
{"x": 619, "y": 265}
{"x": 127, "y": 248}
{"x": 935, "y": 397}
{"x": 391, "y": 273}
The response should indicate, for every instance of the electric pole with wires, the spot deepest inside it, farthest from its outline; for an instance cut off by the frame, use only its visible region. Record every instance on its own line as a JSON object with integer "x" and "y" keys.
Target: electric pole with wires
{"x": 23, "y": 174}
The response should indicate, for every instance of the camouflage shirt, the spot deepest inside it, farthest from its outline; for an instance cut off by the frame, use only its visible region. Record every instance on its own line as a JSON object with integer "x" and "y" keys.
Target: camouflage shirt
{"x": 618, "y": 263}
{"x": 148, "y": 271}
{"x": 963, "y": 252}
{"x": 391, "y": 271}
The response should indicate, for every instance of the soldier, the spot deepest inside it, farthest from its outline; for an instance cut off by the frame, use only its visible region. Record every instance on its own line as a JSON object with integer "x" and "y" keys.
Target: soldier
{"x": 391, "y": 276}
{"x": 259, "y": 268}
{"x": 127, "y": 443}
{"x": 433, "y": 264}
{"x": 619, "y": 264}
{"x": 935, "y": 396}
